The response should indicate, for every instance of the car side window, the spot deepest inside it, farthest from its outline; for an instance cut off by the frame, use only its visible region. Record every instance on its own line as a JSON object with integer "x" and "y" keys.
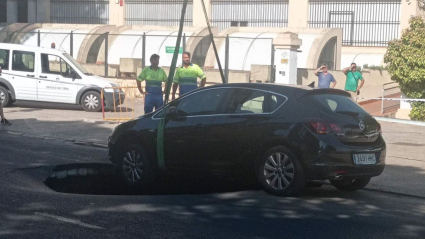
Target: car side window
{"x": 204, "y": 102}
{"x": 276, "y": 101}
{"x": 4, "y": 59}
{"x": 23, "y": 61}
{"x": 52, "y": 64}
{"x": 247, "y": 101}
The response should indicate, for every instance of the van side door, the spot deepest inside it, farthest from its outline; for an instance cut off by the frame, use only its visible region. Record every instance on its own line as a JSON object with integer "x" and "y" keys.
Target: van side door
{"x": 55, "y": 83}
{"x": 23, "y": 75}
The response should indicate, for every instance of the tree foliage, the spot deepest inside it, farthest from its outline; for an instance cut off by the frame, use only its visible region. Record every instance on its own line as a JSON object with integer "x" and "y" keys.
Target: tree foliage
{"x": 406, "y": 59}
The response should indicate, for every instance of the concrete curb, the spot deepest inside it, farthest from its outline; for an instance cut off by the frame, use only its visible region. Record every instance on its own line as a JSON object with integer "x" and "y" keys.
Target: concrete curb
{"x": 401, "y": 121}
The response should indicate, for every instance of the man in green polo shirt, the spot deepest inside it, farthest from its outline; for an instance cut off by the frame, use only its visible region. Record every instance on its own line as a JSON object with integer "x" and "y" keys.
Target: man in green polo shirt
{"x": 154, "y": 77}
{"x": 352, "y": 80}
{"x": 186, "y": 76}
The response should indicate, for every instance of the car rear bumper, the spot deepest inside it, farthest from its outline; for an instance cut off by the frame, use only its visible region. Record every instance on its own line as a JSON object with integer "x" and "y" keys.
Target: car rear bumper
{"x": 330, "y": 165}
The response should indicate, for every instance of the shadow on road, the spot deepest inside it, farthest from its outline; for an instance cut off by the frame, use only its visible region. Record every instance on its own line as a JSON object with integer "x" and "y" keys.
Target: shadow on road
{"x": 102, "y": 179}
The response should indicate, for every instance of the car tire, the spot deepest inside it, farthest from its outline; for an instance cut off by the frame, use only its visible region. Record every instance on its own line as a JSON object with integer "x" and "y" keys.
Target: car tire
{"x": 134, "y": 167}
{"x": 4, "y": 97}
{"x": 91, "y": 101}
{"x": 280, "y": 172}
{"x": 350, "y": 185}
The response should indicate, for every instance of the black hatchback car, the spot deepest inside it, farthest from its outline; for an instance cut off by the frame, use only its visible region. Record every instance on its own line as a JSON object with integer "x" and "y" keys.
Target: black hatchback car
{"x": 284, "y": 135}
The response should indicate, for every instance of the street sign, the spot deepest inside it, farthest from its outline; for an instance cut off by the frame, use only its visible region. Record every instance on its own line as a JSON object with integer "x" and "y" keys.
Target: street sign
{"x": 170, "y": 49}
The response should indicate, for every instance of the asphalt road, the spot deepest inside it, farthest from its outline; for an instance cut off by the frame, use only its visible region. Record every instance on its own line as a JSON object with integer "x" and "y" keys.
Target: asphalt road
{"x": 51, "y": 188}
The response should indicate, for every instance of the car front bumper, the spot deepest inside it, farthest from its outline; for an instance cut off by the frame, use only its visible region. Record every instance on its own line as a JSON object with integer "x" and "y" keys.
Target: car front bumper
{"x": 110, "y": 98}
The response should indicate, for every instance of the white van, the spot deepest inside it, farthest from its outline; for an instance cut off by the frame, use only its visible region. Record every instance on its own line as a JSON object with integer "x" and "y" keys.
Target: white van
{"x": 49, "y": 75}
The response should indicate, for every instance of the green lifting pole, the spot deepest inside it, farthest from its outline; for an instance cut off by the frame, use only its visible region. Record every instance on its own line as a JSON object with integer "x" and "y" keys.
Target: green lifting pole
{"x": 223, "y": 79}
{"x": 160, "y": 134}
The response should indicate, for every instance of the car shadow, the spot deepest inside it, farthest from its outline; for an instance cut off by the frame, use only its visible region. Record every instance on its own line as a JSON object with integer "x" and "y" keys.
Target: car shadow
{"x": 103, "y": 179}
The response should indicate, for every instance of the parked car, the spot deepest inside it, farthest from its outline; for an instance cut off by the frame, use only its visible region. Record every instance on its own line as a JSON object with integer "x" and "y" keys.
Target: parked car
{"x": 49, "y": 75}
{"x": 284, "y": 135}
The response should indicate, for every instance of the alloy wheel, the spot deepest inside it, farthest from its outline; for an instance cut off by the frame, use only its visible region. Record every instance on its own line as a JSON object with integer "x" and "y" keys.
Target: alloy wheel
{"x": 132, "y": 166}
{"x": 91, "y": 101}
{"x": 279, "y": 171}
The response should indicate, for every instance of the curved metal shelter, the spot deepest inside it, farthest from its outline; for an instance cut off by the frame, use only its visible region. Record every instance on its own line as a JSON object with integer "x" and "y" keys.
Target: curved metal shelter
{"x": 253, "y": 46}
{"x": 127, "y": 42}
{"x": 59, "y": 36}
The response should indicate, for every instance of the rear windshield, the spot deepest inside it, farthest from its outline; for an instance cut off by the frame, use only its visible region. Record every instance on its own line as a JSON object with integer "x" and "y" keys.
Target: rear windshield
{"x": 337, "y": 104}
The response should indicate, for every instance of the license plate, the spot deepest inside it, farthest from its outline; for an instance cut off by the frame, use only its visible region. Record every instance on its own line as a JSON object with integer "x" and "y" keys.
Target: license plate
{"x": 360, "y": 159}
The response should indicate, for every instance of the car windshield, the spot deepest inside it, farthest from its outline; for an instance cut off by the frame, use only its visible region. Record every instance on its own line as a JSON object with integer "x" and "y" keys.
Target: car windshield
{"x": 76, "y": 64}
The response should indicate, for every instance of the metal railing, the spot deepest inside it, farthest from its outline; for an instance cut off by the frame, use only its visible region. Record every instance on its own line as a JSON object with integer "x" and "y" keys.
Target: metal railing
{"x": 243, "y": 13}
{"x": 79, "y": 11}
{"x": 234, "y": 58}
{"x": 364, "y": 22}
{"x": 157, "y": 12}
{"x": 389, "y": 90}
{"x": 123, "y": 109}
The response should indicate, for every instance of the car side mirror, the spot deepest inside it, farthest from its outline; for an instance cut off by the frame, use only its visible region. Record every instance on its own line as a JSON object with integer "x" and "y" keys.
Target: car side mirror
{"x": 172, "y": 112}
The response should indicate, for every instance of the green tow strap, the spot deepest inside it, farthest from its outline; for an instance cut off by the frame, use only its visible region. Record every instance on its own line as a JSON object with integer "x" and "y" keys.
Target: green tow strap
{"x": 160, "y": 135}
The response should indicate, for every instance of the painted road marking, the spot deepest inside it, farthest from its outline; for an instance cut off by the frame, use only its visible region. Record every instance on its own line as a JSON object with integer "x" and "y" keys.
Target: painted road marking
{"x": 63, "y": 219}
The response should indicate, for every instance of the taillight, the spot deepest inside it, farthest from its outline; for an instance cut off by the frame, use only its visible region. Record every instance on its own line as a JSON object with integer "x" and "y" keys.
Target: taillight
{"x": 378, "y": 129}
{"x": 320, "y": 127}
{"x": 326, "y": 128}
{"x": 336, "y": 128}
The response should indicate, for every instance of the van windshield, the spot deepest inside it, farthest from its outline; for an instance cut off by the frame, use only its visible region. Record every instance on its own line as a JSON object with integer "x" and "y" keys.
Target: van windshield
{"x": 76, "y": 64}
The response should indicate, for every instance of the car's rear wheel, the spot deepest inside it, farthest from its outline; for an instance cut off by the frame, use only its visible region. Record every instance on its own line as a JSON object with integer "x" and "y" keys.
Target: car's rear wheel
{"x": 350, "y": 185}
{"x": 91, "y": 101}
{"x": 280, "y": 172}
{"x": 135, "y": 168}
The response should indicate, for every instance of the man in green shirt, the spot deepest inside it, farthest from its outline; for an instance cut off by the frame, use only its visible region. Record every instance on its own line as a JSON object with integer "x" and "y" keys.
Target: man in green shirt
{"x": 154, "y": 76}
{"x": 352, "y": 80}
{"x": 186, "y": 76}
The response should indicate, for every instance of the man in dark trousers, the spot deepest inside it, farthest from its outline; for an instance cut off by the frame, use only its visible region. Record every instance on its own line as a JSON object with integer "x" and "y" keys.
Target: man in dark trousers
{"x": 154, "y": 77}
{"x": 186, "y": 76}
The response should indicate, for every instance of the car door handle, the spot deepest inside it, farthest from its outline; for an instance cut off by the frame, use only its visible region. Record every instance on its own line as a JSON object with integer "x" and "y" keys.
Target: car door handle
{"x": 43, "y": 76}
{"x": 30, "y": 75}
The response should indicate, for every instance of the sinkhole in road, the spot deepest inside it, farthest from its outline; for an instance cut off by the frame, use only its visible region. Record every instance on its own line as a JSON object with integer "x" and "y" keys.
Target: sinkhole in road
{"x": 103, "y": 179}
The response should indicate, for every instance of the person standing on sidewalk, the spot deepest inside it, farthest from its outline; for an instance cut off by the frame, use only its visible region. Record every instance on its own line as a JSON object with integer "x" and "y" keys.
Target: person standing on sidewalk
{"x": 154, "y": 77}
{"x": 325, "y": 78}
{"x": 186, "y": 77}
{"x": 352, "y": 80}
{"x": 3, "y": 120}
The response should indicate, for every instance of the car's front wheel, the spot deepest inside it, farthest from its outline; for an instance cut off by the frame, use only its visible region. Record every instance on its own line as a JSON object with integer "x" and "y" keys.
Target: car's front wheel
{"x": 91, "y": 101}
{"x": 135, "y": 168}
{"x": 350, "y": 185}
{"x": 280, "y": 172}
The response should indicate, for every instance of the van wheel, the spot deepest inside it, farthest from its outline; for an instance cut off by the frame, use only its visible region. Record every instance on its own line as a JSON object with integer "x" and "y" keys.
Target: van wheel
{"x": 4, "y": 96}
{"x": 280, "y": 172}
{"x": 91, "y": 101}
